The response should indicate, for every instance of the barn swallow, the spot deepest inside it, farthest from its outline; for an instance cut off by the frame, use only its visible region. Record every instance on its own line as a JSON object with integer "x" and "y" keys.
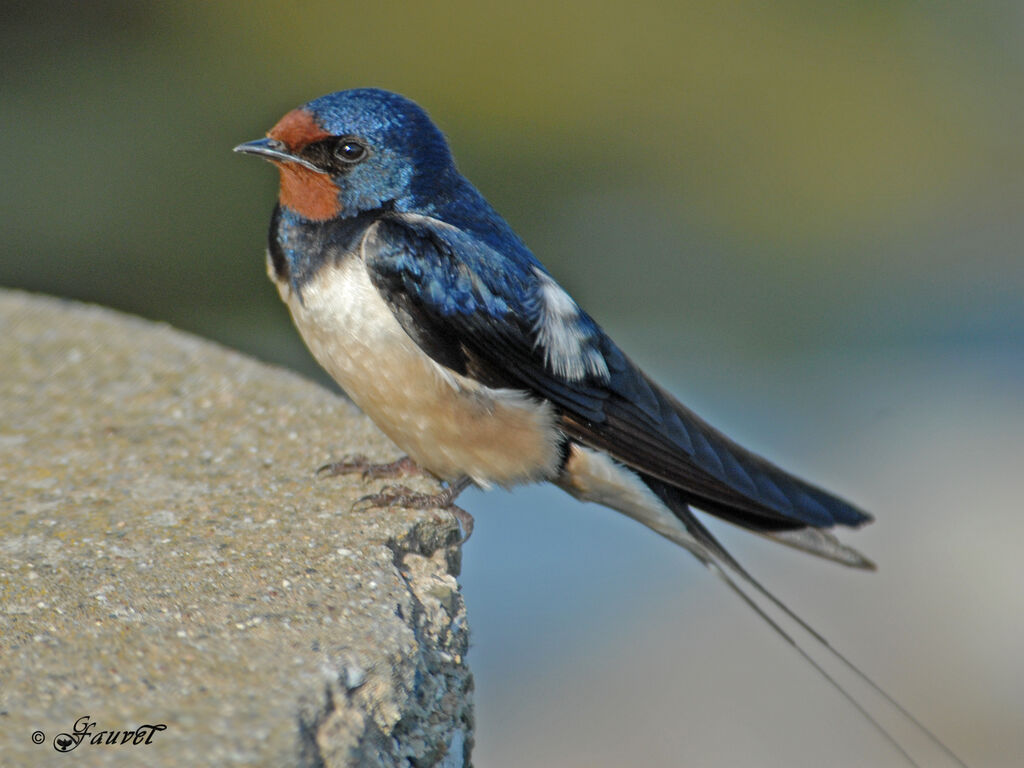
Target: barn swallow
{"x": 434, "y": 317}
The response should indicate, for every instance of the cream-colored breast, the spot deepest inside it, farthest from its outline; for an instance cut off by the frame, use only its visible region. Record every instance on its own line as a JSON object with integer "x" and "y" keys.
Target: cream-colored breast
{"x": 447, "y": 423}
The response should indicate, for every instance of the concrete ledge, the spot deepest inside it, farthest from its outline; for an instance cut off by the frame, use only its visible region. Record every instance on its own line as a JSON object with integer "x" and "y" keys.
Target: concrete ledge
{"x": 168, "y": 558}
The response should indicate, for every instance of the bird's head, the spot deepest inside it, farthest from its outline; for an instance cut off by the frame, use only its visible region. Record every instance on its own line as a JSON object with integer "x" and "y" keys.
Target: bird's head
{"x": 354, "y": 151}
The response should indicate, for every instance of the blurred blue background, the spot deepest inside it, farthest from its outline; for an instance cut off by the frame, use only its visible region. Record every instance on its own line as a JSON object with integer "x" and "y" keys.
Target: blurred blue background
{"x": 805, "y": 218}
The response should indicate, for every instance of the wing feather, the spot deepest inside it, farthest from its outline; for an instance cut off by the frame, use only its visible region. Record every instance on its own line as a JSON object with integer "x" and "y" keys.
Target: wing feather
{"x": 501, "y": 318}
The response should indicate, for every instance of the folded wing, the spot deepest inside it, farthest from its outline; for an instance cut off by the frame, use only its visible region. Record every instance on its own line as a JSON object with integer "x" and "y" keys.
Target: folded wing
{"x": 502, "y": 319}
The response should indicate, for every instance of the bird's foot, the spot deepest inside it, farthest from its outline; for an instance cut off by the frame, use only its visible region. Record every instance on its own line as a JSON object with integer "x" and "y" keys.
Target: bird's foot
{"x": 359, "y": 464}
{"x": 402, "y": 496}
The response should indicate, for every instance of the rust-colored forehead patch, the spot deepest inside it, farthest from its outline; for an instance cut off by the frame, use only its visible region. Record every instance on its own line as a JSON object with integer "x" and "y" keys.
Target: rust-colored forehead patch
{"x": 297, "y": 129}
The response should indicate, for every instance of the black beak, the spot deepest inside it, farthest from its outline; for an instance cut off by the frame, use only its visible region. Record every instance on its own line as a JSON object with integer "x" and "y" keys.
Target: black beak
{"x": 272, "y": 149}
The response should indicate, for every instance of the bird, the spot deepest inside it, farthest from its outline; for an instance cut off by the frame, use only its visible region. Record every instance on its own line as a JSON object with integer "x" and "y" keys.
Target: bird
{"x": 441, "y": 325}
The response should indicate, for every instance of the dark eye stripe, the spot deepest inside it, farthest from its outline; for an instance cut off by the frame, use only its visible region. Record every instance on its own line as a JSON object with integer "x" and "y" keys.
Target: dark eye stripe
{"x": 336, "y": 152}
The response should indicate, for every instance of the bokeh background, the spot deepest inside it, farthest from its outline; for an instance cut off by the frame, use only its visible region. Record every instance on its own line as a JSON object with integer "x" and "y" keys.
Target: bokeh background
{"x": 806, "y": 218}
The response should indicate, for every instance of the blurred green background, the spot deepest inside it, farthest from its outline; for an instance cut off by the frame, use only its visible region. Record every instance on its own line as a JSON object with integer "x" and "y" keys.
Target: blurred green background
{"x": 806, "y": 217}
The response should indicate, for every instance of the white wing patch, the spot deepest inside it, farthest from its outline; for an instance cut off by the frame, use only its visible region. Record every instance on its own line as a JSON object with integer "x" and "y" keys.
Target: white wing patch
{"x": 568, "y": 351}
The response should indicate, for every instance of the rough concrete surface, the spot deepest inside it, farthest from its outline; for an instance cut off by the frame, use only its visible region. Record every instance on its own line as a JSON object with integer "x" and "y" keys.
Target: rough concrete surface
{"x": 167, "y": 557}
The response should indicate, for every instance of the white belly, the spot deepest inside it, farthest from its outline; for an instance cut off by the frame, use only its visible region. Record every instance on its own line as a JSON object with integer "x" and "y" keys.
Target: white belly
{"x": 447, "y": 423}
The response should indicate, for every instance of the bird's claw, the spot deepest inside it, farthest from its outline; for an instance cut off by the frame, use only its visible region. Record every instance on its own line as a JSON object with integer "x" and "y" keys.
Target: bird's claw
{"x": 397, "y": 496}
{"x": 403, "y": 496}
{"x": 351, "y": 464}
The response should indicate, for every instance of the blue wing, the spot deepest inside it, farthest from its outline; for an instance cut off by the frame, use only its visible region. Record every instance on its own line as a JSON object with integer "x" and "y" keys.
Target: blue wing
{"x": 500, "y": 318}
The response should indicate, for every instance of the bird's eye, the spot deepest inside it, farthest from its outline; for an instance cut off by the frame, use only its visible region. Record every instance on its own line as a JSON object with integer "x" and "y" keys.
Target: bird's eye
{"x": 350, "y": 151}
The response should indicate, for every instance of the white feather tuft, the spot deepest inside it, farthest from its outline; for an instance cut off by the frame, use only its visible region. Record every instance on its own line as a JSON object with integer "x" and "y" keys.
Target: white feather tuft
{"x": 568, "y": 351}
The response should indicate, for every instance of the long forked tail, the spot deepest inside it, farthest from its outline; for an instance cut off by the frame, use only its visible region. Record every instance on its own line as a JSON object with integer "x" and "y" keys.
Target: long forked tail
{"x": 749, "y": 589}
{"x": 591, "y": 475}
